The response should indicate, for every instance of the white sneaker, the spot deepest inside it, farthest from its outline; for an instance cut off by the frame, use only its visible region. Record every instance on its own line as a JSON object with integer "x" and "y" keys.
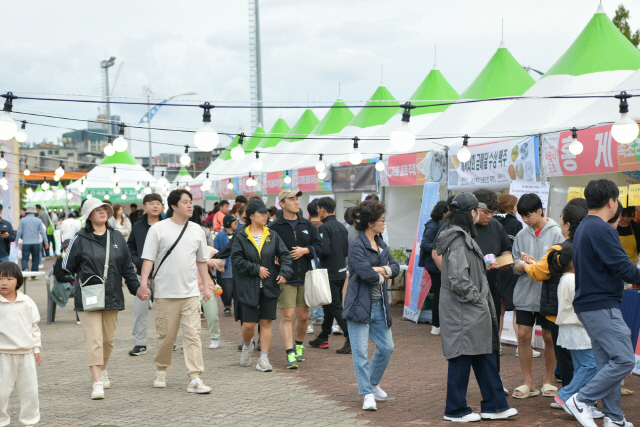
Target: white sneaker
{"x": 369, "y": 403}
{"x": 597, "y": 414}
{"x": 310, "y": 329}
{"x": 435, "y": 330}
{"x": 511, "y": 412}
{"x": 197, "y": 386}
{"x": 104, "y": 379}
{"x": 77, "y": 322}
{"x": 506, "y": 391}
{"x": 581, "y": 412}
{"x": 245, "y": 356}
{"x": 214, "y": 344}
{"x": 98, "y": 391}
{"x": 379, "y": 393}
{"x": 469, "y": 418}
{"x": 535, "y": 353}
{"x": 608, "y": 422}
{"x": 161, "y": 379}
{"x": 500, "y": 350}
{"x": 336, "y": 329}
{"x": 264, "y": 365}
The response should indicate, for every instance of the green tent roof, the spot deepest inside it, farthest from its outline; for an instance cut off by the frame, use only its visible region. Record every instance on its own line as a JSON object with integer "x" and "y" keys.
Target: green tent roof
{"x": 255, "y": 140}
{"x": 335, "y": 120}
{"x": 435, "y": 87}
{"x": 368, "y": 117}
{"x": 123, "y": 158}
{"x": 278, "y": 131}
{"x": 502, "y": 76}
{"x": 599, "y": 47}
{"x": 226, "y": 154}
{"x": 303, "y": 127}
{"x": 183, "y": 172}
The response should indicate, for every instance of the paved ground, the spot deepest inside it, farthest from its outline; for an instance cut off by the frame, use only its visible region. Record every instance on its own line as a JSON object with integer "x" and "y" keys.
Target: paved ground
{"x": 322, "y": 393}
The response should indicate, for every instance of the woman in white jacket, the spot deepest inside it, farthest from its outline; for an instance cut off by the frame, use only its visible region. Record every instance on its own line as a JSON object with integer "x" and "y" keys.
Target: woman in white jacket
{"x": 571, "y": 334}
{"x": 123, "y": 224}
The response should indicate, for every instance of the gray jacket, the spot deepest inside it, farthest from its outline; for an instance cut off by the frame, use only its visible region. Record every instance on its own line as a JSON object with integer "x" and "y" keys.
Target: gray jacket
{"x": 526, "y": 296}
{"x": 468, "y": 322}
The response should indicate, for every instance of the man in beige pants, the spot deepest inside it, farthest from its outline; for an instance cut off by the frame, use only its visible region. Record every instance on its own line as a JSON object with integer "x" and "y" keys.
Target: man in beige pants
{"x": 176, "y": 286}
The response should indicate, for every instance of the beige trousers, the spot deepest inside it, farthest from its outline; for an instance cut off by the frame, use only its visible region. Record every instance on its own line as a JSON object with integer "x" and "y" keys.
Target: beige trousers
{"x": 19, "y": 371}
{"x": 171, "y": 313}
{"x": 99, "y": 330}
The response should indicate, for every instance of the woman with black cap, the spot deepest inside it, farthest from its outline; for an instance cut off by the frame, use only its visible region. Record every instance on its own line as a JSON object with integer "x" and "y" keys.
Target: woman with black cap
{"x": 258, "y": 278}
{"x": 86, "y": 257}
{"x": 468, "y": 321}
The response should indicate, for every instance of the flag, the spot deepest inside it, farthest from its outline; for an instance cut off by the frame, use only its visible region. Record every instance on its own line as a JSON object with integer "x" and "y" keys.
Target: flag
{"x": 152, "y": 112}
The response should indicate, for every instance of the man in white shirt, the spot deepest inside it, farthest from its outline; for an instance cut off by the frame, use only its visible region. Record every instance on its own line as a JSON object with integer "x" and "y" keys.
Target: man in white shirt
{"x": 177, "y": 294}
{"x": 70, "y": 226}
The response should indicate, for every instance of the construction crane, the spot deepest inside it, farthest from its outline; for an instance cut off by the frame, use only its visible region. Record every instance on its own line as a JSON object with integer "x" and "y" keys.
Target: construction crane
{"x": 255, "y": 69}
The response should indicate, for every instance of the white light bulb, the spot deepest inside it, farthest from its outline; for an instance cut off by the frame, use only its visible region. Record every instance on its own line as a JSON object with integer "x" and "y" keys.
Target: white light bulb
{"x": 257, "y": 165}
{"x": 207, "y": 183}
{"x": 109, "y": 150}
{"x": 355, "y": 157}
{"x": 5, "y": 187}
{"x": 624, "y": 130}
{"x": 147, "y": 190}
{"x": 117, "y": 190}
{"x": 322, "y": 175}
{"x": 26, "y": 172}
{"x": 237, "y": 153}
{"x": 106, "y": 197}
{"x": 380, "y": 166}
{"x": 139, "y": 196}
{"x": 137, "y": 187}
{"x": 206, "y": 138}
{"x": 464, "y": 155}
{"x": 123, "y": 197}
{"x": 3, "y": 181}
{"x": 29, "y": 191}
{"x": 115, "y": 178}
{"x": 120, "y": 144}
{"x": 59, "y": 171}
{"x": 56, "y": 178}
{"x": 21, "y": 136}
{"x": 45, "y": 186}
{"x": 402, "y": 139}
{"x": 287, "y": 179}
{"x": 89, "y": 196}
{"x": 162, "y": 181}
{"x": 230, "y": 186}
{"x": 82, "y": 188}
{"x": 320, "y": 166}
{"x": 576, "y": 147}
{"x": 3, "y": 163}
{"x": 185, "y": 159}
{"x": 186, "y": 187}
{"x": 69, "y": 196}
{"x": 8, "y": 127}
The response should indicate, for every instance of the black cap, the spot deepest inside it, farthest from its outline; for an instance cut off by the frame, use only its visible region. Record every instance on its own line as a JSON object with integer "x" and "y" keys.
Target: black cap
{"x": 66, "y": 243}
{"x": 256, "y": 206}
{"x": 465, "y": 202}
{"x": 228, "y": 220}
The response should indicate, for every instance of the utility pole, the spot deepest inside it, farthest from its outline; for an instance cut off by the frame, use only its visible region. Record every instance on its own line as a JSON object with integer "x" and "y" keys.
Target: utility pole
{"x": 147, "y": 91}
{"x": 105, "y": 65}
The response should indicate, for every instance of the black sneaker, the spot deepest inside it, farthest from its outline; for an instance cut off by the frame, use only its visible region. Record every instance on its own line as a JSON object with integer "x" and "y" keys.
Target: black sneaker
{"x": 138, "y": 350}
{"x": 346, "y": 349}
{"x": 227, "y": 312}
{"x": 318, "y": 343}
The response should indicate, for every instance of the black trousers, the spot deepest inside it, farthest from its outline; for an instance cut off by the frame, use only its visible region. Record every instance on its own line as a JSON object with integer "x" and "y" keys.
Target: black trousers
{"x": 227, "y": 290}
{"x": 334, "y": 311}
{"x": 563, "y": 356}
{"x": 436, "y": 282}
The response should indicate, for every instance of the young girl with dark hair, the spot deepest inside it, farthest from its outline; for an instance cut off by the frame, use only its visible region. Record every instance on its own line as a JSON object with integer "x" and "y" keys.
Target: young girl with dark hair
{"x": 572, "y": 335}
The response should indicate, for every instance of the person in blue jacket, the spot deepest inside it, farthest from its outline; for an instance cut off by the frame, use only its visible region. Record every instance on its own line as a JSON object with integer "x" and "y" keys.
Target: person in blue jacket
{"x": 366, "y": 305}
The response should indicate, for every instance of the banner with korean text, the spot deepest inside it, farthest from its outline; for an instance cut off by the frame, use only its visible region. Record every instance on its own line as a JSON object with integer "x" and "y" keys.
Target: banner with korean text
{"x": 307, "y": 180}
{"x": 495, "y": 165}
{"x": 274, "y": 182}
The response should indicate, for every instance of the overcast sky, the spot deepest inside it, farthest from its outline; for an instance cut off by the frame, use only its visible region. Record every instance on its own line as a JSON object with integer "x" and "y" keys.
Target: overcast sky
{"x": 308, "y": 48}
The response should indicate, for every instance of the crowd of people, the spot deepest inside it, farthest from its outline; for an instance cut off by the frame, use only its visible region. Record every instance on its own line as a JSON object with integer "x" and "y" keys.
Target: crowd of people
{"x": 567, "y": 278}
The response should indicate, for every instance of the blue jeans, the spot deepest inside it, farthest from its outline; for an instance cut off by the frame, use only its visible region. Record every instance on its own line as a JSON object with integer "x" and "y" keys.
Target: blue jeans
{"x": 370, "y": 374}
{"x": 584, "y": 368}
{"x": 35, "y": 250}
{"x": 318, "y": 314}
{"x": 614, "y": 357}
{"x": 4, "y": 259}
{"x": 488, "y": 378}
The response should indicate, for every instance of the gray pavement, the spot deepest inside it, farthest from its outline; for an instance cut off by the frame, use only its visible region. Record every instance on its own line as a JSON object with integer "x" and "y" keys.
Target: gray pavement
{"x": 241, "y": 396}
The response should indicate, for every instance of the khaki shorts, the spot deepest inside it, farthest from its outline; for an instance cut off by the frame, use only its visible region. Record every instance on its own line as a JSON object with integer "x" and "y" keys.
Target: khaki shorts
{"x": 291, "y": 296}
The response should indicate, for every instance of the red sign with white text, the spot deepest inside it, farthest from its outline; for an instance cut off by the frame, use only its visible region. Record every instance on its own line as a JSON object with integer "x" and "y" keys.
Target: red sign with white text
{"x": 402, "y": 169}
{"x": 196, "y": 192}
{"x": 600, "y": 154}
{"x": 274, "y": 182}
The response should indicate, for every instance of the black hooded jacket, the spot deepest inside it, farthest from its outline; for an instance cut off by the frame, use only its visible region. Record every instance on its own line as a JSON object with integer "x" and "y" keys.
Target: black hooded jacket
{"x": 85, "y": 257}
{"x": 334, "y": 248}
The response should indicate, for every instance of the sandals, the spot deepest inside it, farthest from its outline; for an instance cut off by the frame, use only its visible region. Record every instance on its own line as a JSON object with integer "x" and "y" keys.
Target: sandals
{"x": 549, "y": 390}
{"x": 626, "y": 392}
{"x": 526, "y": 392}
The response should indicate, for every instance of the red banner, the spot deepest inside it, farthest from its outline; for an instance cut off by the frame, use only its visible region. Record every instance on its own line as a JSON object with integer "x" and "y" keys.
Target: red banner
{"x": 307, "y": 180}
{"x": 274, "y": 182}
{"x": 225, "y": 192}
{"x": 402, "y": 169}
{"x": 196, "y": 192}
{"x": 600, "y": 153}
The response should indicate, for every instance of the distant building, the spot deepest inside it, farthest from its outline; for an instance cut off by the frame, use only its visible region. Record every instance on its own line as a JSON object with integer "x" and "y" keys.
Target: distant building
{"x": 90, "y": 142}
{"x": 46, "y": 156}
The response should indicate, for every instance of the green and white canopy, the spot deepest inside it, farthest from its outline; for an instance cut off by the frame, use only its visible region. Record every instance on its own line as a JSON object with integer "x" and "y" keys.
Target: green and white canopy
{"x": 183, "y": 178}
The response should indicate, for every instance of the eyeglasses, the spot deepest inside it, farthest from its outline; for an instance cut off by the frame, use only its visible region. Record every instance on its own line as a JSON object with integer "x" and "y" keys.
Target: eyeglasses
{"x": 381, "y": 220}
{"x": 100, "y": 209}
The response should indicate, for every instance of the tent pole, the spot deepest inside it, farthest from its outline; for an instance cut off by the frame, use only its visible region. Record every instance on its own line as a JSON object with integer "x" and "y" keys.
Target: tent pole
{"x": 446, "y": 182}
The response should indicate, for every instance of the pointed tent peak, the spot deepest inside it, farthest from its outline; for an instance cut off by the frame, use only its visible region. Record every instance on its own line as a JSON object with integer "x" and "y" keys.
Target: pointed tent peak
{"x": 502, "y": 76}
{"x": 599, "y": 47}
{"x": 433, "y": 87}
{"x": 368, "y": 117}
{"x": 503, "y": 45}
{"x": 278, "y": 131}
{"x": 39, "y": 188}
{"x": 226, "y": 154}
{"x": 600, "y": 9}
{"x": 255, "y": 140}
{"x": 303, "y": 126}
{"x": 60, "y": 187}
{"x": 336, "y": 119}
{"x": 120, "y": 158}
{"x": 183, "y": 172}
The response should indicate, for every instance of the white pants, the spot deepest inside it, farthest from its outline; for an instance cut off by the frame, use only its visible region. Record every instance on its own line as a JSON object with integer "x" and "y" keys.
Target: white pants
{"x": 19, "y": 370}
